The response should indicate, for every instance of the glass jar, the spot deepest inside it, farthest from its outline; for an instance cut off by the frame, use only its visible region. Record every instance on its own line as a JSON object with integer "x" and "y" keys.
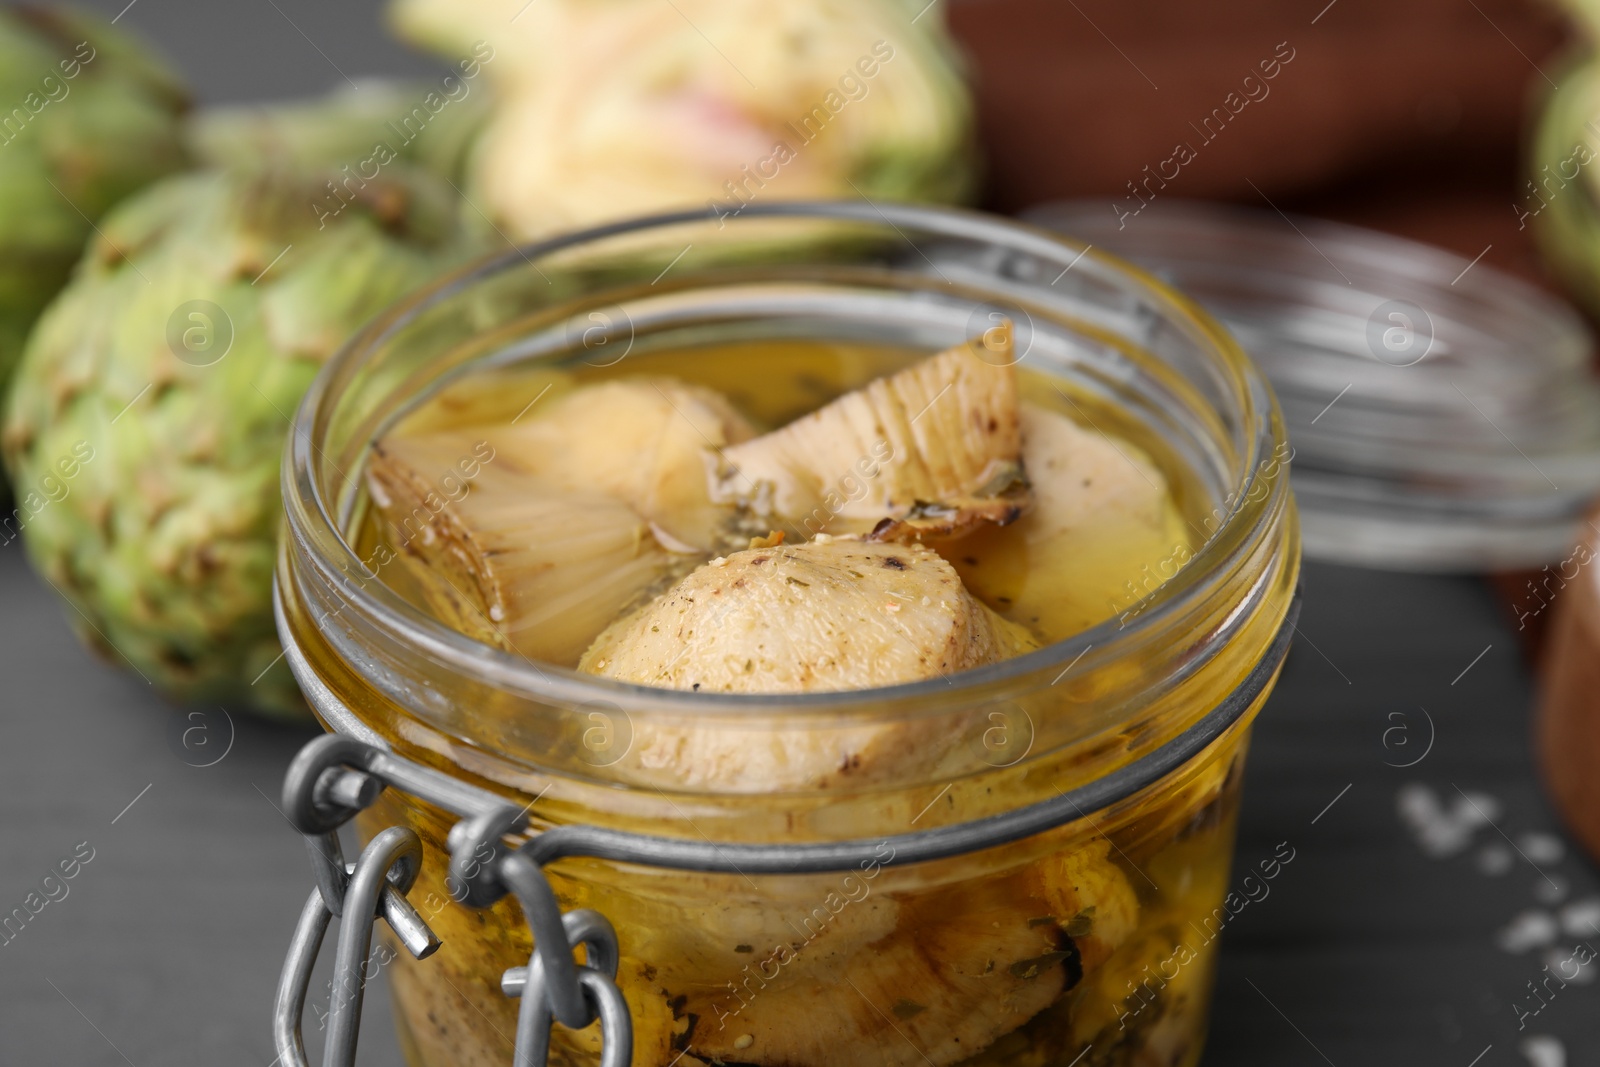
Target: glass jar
{"x": 1091, "y": 942}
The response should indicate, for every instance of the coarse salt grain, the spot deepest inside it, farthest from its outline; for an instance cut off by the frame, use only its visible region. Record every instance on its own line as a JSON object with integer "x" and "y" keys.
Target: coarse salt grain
{"x": 1542, "y": 1050}
{"x": 1528, "y": 930}
{"x": 1581, "y": 918}
{"x": 1542, "y": 848}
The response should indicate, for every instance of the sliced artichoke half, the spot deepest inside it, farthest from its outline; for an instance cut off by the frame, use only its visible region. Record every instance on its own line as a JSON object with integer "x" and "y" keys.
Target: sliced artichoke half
{"x": 570, "y": 517}
{"x": 934, "y": 451}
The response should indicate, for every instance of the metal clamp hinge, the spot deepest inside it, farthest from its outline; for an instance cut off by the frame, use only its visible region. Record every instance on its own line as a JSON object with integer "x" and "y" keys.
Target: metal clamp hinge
{"x": 323, "y": 790}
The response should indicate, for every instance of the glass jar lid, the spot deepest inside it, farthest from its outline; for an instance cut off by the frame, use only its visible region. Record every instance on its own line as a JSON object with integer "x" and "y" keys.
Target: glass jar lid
{"x": 1443, "y": 414}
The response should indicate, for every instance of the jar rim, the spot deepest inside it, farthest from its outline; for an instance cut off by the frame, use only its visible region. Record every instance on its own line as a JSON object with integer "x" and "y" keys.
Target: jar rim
{"x": 313, "y": 524}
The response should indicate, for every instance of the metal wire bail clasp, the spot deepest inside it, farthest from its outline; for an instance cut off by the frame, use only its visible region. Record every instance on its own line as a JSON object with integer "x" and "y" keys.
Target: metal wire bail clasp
{"x": 552, "y": 990}
{"x": 332, "y": 779}
{"x": 321, "y": 797}
{"x": 553, "y": 986}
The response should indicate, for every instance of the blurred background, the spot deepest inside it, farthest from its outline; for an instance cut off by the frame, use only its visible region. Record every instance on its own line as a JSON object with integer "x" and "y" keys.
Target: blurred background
{"x": 1409, "y": 117}
{"x": 1386, "y": 942}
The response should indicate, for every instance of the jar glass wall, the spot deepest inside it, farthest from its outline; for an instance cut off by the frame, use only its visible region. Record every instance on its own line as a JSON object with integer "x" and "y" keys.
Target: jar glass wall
{"x": 1097, "y": 935}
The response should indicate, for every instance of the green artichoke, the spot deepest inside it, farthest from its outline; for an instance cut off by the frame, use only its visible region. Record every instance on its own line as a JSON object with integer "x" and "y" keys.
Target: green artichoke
{"x": 1558, "y": 201}
{"x": 87, "y": 117}
{"x": 1584, "y": 16}
{"x": 147, "y": 418}
{"x": 431, "y": 124}
{"x": 624, "y": 107}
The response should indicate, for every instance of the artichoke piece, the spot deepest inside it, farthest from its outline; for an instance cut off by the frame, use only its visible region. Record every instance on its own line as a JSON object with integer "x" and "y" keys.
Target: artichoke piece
{"x": 823, "y": 615}
{"x": 934, "y": 451}
{"x": 485, "y": 399}
{"x": 713, "y": 941}
{"x": 1093, "y": 500}
{"x": 850, "y": 972}
{"x": 608, "y": 110}
{"x": 642, "y": 440}
{"x": 537, "y": 534}
{"x": 168, "y": 368}
{"x": 1090, "y": 897}
{"x": 93, "y": 117}
{"x": 514, "y": 562}
{"x": 966, "y": 967}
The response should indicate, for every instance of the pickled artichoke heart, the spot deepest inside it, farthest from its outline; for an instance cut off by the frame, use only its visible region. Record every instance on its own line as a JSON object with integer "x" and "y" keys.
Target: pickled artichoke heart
{"x": 643, "y": 441}
{"x": 169, "y": 368}
{"x": 1090, "y": 897}
{"x": 1095, "y": 502}
{"x": 965, "y": 967}
{"x": 356, "y": 132}
{"x": 933, "y": 451}
{"x": 87, "y": 117}
{"x": 538, "y": 574}
{"x": 633, "y": 106}
{"x": 572, "y": 514}
{"x": 1152, "y": 995}
{"x": 1562, "y": 212}
{"x": 813, "y": 971}
{"x": 823, "y": 615}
